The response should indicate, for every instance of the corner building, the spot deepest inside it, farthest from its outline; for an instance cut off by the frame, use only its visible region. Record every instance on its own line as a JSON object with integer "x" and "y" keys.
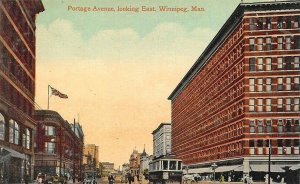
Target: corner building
{"x": 17, "y": 88}
{"x": 242, "y": 92}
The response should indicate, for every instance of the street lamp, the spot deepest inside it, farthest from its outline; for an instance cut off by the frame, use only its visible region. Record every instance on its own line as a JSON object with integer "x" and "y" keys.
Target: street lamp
{"x": 214, "y": 166}
{"x": 269, "y": 161}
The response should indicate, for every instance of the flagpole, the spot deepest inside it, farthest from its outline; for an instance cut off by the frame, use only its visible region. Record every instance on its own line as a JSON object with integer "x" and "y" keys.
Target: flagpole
{"x": 48, "y": 96}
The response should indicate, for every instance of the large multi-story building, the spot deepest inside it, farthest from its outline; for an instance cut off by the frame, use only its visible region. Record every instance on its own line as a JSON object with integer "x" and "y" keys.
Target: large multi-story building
{"x": 17, "y": 88}
{"x": 91, "y": 157}
{"x": 58, "y": 150}
{"x": 162, "y": 140}
{"x": 242, "y": 95}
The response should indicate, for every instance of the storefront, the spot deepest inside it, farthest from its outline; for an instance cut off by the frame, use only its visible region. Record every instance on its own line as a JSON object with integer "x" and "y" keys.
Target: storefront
{"x": 14, "y": 166}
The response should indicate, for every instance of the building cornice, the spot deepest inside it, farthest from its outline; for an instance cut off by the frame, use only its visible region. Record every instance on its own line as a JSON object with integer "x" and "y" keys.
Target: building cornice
{"x": 226, "y": 29}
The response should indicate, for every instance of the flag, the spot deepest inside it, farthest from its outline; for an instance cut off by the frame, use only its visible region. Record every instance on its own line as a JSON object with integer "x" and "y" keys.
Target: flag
{"x": 57, "y": 93}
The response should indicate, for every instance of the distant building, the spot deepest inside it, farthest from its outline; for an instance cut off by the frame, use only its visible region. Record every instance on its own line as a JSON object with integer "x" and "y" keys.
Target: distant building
{"x": 241, "y": 97}
{"x": 134, "y": 163}
{"x": 91, "y": 156}
{"x": 108, "y": 168}
{"x": 17, "y": 88}
{"x": 162, "y": 140}
{"x": 57, "y": 146}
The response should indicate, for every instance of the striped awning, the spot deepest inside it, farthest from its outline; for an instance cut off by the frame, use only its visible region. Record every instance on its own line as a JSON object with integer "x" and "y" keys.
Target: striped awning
{"x": 227, "y": 168}
{"x": 264, "y": 168}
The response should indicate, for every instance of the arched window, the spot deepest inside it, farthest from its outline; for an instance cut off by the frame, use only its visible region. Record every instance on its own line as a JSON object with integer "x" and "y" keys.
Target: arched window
{"x": 2, "y": 127}
{"x": 14, "y": 132}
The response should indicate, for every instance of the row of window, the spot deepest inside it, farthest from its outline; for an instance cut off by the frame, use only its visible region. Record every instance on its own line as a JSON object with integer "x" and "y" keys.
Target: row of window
{"x": 260, "y": 23}
{"x": 20, "y": 21}
{"x": 265, "y": 84}
{"x": 15, "y": 97}
{"x": 13, "y": 39}
{"x": 269, "y": 63}
{"x": 12, "y": 66}
{"x": 271, "y": 125}
{"x": 15, "y": 135}
{"x": 269, "y": 43}
{"x": 268, "y": 104}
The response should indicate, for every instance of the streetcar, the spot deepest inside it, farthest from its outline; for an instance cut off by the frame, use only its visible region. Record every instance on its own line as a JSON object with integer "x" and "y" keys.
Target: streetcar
{"x": 165, "y": 170}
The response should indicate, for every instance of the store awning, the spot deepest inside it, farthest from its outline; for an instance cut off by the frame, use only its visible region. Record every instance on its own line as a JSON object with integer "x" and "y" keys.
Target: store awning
{"x": 199, "y": 170}
{"x": 13, "y": 153}
{"x": 264, "y": 168}
{"x": 295, "y": 167}
{"x": 226, "y": 168}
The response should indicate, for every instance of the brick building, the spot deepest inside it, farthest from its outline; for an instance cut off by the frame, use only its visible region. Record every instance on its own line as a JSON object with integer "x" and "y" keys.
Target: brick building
{"x": 242, "y": 92}
{"x": 58, "y": 149}
{"x": 17, "y": 88}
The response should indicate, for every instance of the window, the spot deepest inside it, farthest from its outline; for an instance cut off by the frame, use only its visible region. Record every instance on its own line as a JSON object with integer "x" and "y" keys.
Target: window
{"x": 269, "y": 126}
{"x": 252, "y": 126}
{"x": 288, "y": 43}
{"x": 280, "y": 23}
{"x": 268, "y": 105}
{"x": 252, "y": 64}
{"x": 260, "y": 44}
{"x": 296, "y": 62}
{"x": 279, "y": 43}
{"x": 251, "y": 104}
{"x": 172, "y": 165}
{"x": 297, "y": 42}
{"x": 251, "y": 44}
{"x": 279, "y": 84}
{"x": 288, "y": 83}
{"x": 251, "y": 143}
{"x": 14, "y": 132}
{"x": 260, "y": 85}
{"x": 2, "y": 127}
{"x": 50, "y": 130}
{"x": 260, "y": 105}
{"x": 268, "y": 84}
{"x": 268, "y": 64}
{"x": 297, "y": 125}
{"x": 27, "y": 139}
{"x": 251, "y": 24}
{"x": 296, "y": 22}
{"x": 288, "y": 125}
{"x": 50, "y": 147}
{"x": 269, "y": 43}
{"x": 280, "y": 125}
{"x": 296, "y": 104}
{"x": 260, "y": 64}
{"x": 165, "y": 165}
{"x": 296, "y": 83}
{"x": 288, "y": 63}
{"x": 288, "y": 104}
{"x": 279, "y": 142}
{"x": 179, "y": 165}
{"x": 279, "y": 63}
{"x": 269, "y": 23}
{"x": 251, "y": 85}
{"x": 279, "y": 105}
{"x": 260, "y": 23}
{"x": 288, "y": 23}
{"x": 260, "y": 126}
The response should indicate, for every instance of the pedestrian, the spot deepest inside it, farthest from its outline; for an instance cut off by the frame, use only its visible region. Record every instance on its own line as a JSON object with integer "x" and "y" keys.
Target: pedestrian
{"x": 129, "y": 178}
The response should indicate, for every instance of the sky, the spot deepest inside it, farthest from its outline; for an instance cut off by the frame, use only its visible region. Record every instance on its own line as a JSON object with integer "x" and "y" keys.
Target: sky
{"x": 118, "y": 68}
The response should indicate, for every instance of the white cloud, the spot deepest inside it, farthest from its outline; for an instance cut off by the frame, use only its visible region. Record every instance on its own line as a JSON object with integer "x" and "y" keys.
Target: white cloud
{"x": 60, "y": 41}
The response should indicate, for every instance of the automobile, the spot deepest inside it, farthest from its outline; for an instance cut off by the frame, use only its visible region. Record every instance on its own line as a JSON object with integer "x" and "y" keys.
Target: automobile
{"x": 89, "y": 180}
{"x": 189, "y": 177}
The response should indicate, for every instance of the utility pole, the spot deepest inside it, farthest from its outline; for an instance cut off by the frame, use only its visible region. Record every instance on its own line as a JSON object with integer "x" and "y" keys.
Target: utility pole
{"x": 74, "y": 152}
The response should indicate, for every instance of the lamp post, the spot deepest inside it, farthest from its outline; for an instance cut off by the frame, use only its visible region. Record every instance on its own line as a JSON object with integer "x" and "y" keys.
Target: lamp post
{"x": 269, "y": 161}
{"x": 214, "y": 166}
